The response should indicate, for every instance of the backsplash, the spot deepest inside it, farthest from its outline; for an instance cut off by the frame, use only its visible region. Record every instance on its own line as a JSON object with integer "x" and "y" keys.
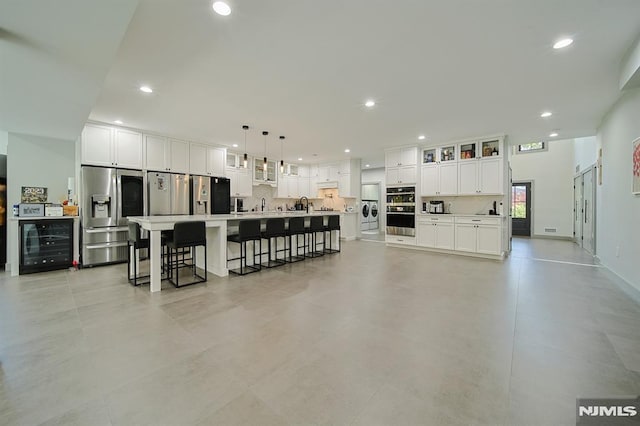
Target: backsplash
{"x": 467, "y": 204}
{"x": 328, "y": 198}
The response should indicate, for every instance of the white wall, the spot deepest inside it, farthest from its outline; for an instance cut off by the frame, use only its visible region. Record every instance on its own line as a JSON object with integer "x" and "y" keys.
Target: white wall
{"x": 585, "y": 153}
{"x": 377, "y": 176}
{"x": 618, "y": 210}
{"x": 37, "y": 161}
{"x": 4, "y": 141}
{"x": 552, "y": 191}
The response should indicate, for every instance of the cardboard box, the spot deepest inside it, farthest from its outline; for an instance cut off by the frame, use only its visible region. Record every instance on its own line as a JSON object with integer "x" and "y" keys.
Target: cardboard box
{"x": 53, "y": 211}
{"x": 70, "y": 210}
{"x": 31, "y": 210}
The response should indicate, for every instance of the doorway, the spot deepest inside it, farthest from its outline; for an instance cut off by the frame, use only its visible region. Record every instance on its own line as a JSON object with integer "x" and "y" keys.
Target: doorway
{"x": 521, "y": 209}
{"x": 584, "y": 196}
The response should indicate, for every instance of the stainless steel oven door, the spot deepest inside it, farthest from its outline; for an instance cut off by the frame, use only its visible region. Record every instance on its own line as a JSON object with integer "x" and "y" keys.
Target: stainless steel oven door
{"x": 401, "y": 224}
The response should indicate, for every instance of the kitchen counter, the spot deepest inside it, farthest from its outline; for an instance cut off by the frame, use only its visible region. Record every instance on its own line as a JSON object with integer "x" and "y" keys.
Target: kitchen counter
{"x": 217, "y": 226}
{"x": 459, "y": 214}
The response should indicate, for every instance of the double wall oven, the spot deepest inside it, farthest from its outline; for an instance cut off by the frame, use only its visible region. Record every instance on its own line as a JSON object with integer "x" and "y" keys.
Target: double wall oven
{"x": 401, "y": 211}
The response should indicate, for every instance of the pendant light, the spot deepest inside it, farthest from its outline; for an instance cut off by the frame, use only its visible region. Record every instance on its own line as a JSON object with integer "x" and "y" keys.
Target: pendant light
{"x": 281, "y": 156}
{"x": 264, "y": 164}
{"x": 245, "y": 128}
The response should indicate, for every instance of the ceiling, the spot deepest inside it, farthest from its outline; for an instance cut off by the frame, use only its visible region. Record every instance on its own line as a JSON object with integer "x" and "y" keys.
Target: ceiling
{"x": 448, "y": 69}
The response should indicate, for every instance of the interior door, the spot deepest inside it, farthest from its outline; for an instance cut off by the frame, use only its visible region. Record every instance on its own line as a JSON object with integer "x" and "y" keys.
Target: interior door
{"x": 577, "y": 210}
{"x": 588, "y": 204}
{"x": 521, "y": 209}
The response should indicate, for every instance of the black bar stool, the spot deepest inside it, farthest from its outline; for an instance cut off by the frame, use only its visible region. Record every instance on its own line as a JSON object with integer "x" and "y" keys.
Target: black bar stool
{"x": 316, "y": 226}
{"x": 187, "y": 235}
{"x": 274, "y": 229}
{"x": 137, "y": 242}
{"x": 333, "y": 224}
{"x": 296, "y": 228}
{"x": 248, "y": 230}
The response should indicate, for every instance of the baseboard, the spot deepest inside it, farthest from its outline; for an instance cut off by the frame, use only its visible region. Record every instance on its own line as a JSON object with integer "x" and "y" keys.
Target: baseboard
{"x": 348, "y": 238}
{"x": 552, "y": 237}
{"x": 623, "y": 284}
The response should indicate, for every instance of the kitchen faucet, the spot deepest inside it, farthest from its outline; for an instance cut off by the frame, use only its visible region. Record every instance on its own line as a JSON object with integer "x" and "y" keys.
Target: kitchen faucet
{"x": 305, "y": 198}
{"x": 264, "y": 203}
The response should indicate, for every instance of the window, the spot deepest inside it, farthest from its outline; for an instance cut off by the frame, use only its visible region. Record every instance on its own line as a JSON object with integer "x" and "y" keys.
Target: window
{"x": 532, "y": 147}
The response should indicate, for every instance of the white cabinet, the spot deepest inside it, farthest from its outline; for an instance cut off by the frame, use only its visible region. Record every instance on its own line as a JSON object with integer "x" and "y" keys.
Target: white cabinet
{"x": 439, "y": 179}
{"x": 478, "y": 235}
{"x": 328, "y": 172}
{"x": 288, "y": 187}
{"x": 198, "y": 159}
{"x": 344, "y": 186}
{"x": 216, "y": 161}
{"x": 260, "y": 175}
{"x": 240, "y": 182}
{"x": 108, "y": 146}
{"x": 401, "y": 165}
{"x": 206, "y": 160}
{"x": 435, "y": 232}
{"x": 483, "y": 176}
{"x": 407, "y": 156}
{"x": 349, "y": 226}
{"x": 166, "y": 155}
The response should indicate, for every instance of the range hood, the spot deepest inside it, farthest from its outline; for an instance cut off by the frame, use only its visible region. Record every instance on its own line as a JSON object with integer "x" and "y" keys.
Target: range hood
{"x": 328, "y": 184}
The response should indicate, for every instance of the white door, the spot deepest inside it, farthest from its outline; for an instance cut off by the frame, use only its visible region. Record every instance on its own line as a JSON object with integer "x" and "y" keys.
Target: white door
{"x": 466, "y": 237}
{"x": 179, "y": 161}
{"x": 128, "y": 149}
{"x": 577, "y": 210}
{"x": 588, "y": 203}
{"x": 445, "y": 236}
{"x": 488, "y": 239}
{"x": 215, "y": 161}
{"x": 426, "y": 234}
{"x": 97, "y": 146}
{"x": 468, "y": 178}
{"x": 429, "y": 180}
{"x": 448, "y": 179}
{"x": 491, "y": 177}
{"x": 407, "y": 174}
{"x": 156, "y": 153}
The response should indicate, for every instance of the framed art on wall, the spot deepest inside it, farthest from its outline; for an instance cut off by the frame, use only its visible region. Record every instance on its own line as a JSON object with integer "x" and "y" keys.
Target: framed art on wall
{"x": 636, "y": 167}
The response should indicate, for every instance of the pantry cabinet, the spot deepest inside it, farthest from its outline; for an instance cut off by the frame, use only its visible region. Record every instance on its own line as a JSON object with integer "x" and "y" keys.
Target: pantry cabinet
{"x": 111, "y": 147}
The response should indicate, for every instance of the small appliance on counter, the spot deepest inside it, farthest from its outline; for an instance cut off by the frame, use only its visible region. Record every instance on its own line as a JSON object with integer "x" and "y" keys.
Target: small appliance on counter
{"x": 436, "y": 207}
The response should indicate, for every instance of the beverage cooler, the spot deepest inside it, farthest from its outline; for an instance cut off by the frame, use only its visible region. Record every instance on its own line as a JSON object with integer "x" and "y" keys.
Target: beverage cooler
{"x": 45, "y": 245}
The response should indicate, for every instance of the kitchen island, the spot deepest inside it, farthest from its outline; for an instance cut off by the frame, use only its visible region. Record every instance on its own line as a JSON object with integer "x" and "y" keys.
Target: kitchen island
{"x": 217, "y": 229}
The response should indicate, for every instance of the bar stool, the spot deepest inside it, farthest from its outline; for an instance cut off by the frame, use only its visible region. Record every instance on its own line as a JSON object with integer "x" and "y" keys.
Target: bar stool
{"x": 248, "y": 230}
{"x": 333, "y": 224}
{"x": 190, "y": 235}
{"x": 274, "y": 229}
{"x": 316, "y": 226}
{"x": 296, "y": 228}
{"x": 136, "y": 242}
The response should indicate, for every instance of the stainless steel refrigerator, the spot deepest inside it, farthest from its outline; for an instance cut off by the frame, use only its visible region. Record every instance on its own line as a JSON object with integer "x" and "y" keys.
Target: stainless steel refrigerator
{"x": 109, "y": 195}
{"x": 200, "y": 195}
{"x": 168, "y": 193}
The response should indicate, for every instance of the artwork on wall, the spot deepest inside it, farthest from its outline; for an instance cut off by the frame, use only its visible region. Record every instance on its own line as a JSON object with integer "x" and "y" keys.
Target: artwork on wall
{"x": 636, "y": 166}
{"x": 33, "y": 194}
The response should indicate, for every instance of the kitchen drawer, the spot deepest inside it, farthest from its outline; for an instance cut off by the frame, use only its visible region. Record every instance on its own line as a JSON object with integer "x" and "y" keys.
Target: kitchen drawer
{"x": 400, "y": 239}
{"x": 435, "y": 219}
{"x": 490, "y": 221}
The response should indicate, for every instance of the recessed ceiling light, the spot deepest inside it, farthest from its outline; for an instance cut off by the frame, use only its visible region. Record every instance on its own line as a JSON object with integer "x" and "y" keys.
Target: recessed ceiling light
{"x": 235, "y": 145}
{"x": 146, "y": 89}
{"x": 118, "y": 121}
{"x": 545, "y": 114}
{"x": 421, "y": 137}
{"x": 553, "y": 134}
{"x": 370, "y": 103}
{"x": 367, "y": 165}
{"x": 347, "y": 150}
{"x": 562, "y": 43}
{"x": 299, "y": 158}
{"x": 221, "y": 8}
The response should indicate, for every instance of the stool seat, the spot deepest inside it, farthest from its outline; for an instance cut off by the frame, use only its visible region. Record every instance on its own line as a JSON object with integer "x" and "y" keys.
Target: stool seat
{"x": 274, "y": 229}
{"x": 248, "y": 230}
{"x": 295, "y": 229}
{"x": 333, "y": 224}
{"x": 316, "y": 226}
{"x": 190, "y": 235}
{"x": 135, "y": 242}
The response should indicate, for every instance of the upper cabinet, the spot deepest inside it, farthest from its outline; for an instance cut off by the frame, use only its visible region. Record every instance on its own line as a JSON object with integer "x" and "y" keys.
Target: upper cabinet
{"x": 401, "y": 165}
{"x": 476, "y": 150}
{"x": 111, "y": 147}
{"x": 260, "y": 175}
{"x": 206, "y": 160}
{"x": 166, "y": 155}
{"x": 481, "y": 167}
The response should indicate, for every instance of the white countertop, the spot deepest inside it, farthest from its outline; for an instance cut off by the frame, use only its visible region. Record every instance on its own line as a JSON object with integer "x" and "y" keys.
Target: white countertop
{"x": 227, "y": 217}
{"x": 459, "y": 214}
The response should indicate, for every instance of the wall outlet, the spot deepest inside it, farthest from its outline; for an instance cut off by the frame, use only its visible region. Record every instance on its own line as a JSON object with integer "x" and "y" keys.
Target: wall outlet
{"x": 617, "y": 251}
{"x": 550, "y": 230}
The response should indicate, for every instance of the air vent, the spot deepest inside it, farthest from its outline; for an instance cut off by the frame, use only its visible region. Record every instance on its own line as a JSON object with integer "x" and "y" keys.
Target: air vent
{"x": 551, "y": 230}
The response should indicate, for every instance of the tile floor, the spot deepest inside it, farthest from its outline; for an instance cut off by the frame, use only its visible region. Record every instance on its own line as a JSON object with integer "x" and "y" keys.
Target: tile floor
{"x": 371, "y": 336}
